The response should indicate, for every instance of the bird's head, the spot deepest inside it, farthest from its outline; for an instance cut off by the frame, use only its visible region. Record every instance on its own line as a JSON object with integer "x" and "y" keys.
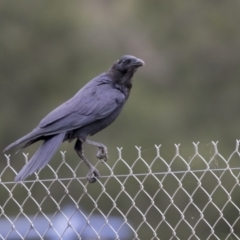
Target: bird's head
{"x": 128, "y": 63}
{"x": 123, "y": 69}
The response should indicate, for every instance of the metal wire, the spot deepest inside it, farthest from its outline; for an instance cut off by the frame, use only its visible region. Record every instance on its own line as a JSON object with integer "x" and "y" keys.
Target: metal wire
{"x": 161, "y": 198}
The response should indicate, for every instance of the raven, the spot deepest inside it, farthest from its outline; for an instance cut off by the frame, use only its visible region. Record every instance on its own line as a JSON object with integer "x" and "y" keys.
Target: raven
{"x": 90, "y": 110}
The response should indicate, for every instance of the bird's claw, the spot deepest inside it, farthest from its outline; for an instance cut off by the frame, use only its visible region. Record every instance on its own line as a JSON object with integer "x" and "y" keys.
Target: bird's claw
{"x": 102, "y": 153}
{"x": 93, "y": 175}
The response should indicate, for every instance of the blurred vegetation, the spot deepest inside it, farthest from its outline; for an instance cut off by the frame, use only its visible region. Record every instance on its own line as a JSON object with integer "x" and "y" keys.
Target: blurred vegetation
{"x": 187, "y": 91}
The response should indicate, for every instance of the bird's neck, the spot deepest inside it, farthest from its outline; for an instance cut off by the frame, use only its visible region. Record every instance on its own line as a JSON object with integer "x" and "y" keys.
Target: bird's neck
{"x": 120, "y": 78}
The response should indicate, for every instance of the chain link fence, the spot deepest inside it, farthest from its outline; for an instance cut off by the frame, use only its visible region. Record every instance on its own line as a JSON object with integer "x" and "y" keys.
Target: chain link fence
{"x": 161, "y": 197}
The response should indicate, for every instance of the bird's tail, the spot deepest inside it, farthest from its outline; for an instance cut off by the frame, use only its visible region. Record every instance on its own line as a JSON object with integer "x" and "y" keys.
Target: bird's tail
{"x": 30, "y": 137}
{"x": 41, "y": 157}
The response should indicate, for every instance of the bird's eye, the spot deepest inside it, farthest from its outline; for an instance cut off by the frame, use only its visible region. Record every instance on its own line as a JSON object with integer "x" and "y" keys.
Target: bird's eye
{"x": 127, "y": 61}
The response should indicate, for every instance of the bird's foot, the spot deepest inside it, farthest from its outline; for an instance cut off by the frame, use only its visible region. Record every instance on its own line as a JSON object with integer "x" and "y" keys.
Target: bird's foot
{"x": 102, "y": 153}
{"x": 93, "y": 175}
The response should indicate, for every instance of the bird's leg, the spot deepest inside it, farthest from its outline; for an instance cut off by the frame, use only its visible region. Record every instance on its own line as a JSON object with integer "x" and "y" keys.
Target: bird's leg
{"x": 93, "y": 173}
{"x": 102, "y": 149}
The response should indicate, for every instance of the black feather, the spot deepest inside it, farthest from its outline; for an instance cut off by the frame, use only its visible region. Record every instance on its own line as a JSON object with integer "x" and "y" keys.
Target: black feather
{"x": 92, "y": 109}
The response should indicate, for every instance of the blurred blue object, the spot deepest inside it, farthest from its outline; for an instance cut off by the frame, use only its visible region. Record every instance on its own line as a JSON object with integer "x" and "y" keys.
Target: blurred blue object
{"x": 68, "y": 223}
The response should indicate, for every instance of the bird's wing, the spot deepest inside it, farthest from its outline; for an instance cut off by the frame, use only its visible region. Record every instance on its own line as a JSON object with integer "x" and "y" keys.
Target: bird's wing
{"x": 95, "y": 101}
{"x": 91, "y": 103}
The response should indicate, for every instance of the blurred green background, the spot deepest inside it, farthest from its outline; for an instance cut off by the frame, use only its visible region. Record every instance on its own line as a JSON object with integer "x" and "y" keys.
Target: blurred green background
{"x": 188, "y": 91}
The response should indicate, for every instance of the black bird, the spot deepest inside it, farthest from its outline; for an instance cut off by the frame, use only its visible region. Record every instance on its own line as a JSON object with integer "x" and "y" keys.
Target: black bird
{"x": 92, "y": 109}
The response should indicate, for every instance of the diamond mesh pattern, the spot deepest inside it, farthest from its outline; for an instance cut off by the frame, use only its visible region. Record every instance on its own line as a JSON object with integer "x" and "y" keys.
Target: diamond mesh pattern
{"x": 160, "y": 197}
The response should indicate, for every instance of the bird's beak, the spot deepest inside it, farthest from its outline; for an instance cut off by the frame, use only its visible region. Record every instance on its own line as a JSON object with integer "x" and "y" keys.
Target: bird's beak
{"x": 139, "y": 62}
